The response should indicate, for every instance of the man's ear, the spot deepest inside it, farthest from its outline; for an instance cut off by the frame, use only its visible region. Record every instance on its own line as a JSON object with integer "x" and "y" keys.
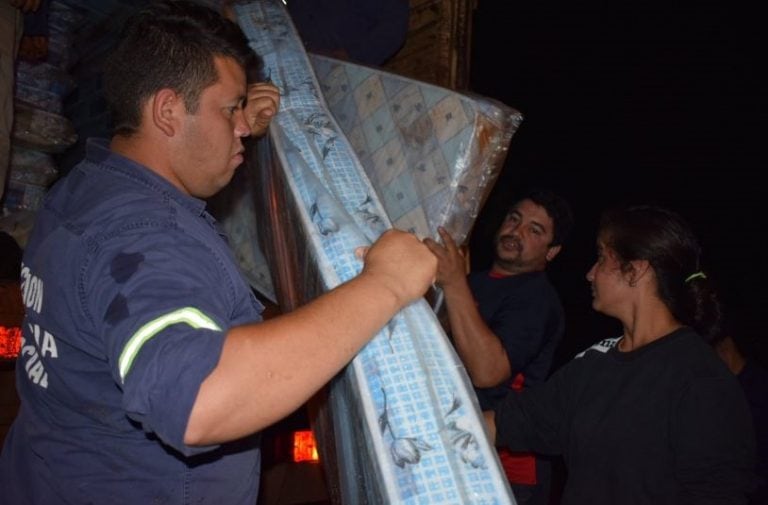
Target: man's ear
{"x": 552, "y": 252}
{"x": 167, "y": 109}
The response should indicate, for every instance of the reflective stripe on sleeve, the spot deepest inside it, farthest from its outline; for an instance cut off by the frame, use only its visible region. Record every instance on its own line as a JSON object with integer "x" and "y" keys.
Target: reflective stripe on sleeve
{"x": 188, "y": 315}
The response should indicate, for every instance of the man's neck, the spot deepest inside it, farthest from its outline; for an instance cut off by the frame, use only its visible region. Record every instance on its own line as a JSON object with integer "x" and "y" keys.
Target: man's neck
{"x": 498, "y": 270}
{"x": 144, "y": 151}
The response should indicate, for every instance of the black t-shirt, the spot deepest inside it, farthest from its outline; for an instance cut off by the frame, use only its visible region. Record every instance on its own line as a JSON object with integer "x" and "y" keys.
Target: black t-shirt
{"x": 525, "y": 312}
{"x": 665, "y": 424}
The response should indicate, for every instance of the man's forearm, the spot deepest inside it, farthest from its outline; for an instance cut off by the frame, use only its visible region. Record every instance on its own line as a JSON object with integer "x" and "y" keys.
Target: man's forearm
{"x": 269, "y": 369}
{"x": 479, "y": 348}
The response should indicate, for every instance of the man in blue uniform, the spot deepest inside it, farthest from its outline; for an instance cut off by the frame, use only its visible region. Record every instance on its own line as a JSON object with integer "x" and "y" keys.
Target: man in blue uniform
{"x": 506, "y": 322}
{"x": 145, "y": 373}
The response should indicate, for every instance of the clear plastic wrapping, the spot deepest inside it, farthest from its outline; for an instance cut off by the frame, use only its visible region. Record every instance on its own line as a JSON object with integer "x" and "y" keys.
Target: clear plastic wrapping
{"x": 401, "y": 424}
{"x": 32, "y": 167}
{"x": 432, "y": 154}
{"x": 39, "y": 98}
{"x": 45, "y": 76}
{"x": 37, "y": 129}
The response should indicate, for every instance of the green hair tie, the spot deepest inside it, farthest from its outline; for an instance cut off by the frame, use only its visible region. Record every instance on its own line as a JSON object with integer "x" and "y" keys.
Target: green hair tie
{"x": 697, "y": 275}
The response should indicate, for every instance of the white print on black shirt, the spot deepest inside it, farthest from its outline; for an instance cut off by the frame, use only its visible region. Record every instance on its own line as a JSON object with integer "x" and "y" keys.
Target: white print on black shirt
{"x": 44, "y": 344}
{"x": 603, "y": 346}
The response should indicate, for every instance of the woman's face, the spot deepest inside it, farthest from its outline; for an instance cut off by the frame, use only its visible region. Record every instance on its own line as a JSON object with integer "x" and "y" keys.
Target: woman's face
{"x": 609, "y": 283}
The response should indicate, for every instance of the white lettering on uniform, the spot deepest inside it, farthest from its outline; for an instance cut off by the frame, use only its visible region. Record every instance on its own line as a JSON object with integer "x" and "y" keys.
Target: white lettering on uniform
{"x": 34, "y": 363}
{"x": 31, "y": 290}
{"x": 37, "y": 373}
{"x": 49, "y": 346}
{"x": 32, "y": 295}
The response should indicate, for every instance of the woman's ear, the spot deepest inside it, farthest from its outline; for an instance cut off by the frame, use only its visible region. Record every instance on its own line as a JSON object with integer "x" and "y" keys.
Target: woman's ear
{"x": 640, "y": 270}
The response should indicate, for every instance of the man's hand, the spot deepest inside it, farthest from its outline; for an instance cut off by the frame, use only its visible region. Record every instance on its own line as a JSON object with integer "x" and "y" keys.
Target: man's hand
{"x": 402, "y": 264}
{"x": 451, "y": 264}
{"x": 261, "y": 105}
{"x": 25, "y": 5}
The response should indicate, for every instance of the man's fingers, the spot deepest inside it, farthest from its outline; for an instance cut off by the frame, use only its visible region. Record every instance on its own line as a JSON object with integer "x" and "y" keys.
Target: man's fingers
{"x": 447, "y": 239}
{"x": 264, "y": 90}
{"x": 261, "y": 106}
{"x": 436, "y": 248}
{"x": 361, "y": 251}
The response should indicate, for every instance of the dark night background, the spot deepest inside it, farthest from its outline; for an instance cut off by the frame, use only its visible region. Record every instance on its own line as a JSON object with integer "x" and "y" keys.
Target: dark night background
{"x": 643, "y": 103}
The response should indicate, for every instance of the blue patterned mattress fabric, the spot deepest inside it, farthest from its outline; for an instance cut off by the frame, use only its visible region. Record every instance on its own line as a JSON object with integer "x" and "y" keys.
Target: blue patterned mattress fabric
{"x": 431, "y": 153}
{"x": 406, "y": 424}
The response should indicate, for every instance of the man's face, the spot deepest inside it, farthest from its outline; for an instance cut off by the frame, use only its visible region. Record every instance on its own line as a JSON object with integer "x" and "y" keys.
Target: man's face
{"x": 210, "y": 140}
{"x": 523, "y": 239}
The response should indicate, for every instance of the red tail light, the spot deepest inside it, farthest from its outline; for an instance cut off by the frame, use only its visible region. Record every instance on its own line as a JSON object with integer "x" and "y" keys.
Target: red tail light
{"x": 304, "y": 447}
{"x": 11, "y": 315}
{"x": 10, "y": 342}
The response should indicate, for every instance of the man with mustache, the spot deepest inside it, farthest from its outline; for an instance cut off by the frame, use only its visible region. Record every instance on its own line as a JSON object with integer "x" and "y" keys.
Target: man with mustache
{"x": 506, "y": 322}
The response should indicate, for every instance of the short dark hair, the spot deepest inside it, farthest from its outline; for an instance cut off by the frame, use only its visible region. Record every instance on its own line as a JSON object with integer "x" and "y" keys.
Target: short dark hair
{"x": 664, "y": 239}
{"x": 557, "y": 208}
{"x": 170, "y": 44}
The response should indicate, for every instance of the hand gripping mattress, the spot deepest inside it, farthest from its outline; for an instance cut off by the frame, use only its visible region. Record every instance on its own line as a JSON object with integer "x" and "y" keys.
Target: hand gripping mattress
{"x": 346, "y": 158}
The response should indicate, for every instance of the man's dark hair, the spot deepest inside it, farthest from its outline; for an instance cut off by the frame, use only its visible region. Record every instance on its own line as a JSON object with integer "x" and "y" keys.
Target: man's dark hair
{"x": 557, "y": 208}
{"x": 170, "y": 44}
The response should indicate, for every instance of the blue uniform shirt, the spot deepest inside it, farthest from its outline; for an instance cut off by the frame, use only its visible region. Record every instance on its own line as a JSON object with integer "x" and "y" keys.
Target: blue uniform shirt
{"x": 129, "y": 291}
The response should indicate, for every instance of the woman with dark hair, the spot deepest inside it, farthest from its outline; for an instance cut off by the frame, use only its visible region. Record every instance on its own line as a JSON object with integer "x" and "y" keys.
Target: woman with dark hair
{"x": 653, "y": 416}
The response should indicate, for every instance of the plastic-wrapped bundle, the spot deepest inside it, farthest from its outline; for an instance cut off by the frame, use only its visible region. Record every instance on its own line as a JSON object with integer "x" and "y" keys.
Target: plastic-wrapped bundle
{"x": 63, "y": 23}
{"x": 23, "y": 196}
{"x": 39, "y": 98}
{"x": 401, "y": 424}
{"x": 45, "y": 76}
{"x": 30, "y": 174}
{"x": 431, "y": 153}
{"x": 64, "y": 18}
{"x": 37, "y": 129}
{"x": 32, "y": 167}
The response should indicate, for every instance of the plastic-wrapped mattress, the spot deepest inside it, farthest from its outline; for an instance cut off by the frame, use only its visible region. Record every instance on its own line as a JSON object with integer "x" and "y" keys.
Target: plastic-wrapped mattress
{"x": 401, "y": 423}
